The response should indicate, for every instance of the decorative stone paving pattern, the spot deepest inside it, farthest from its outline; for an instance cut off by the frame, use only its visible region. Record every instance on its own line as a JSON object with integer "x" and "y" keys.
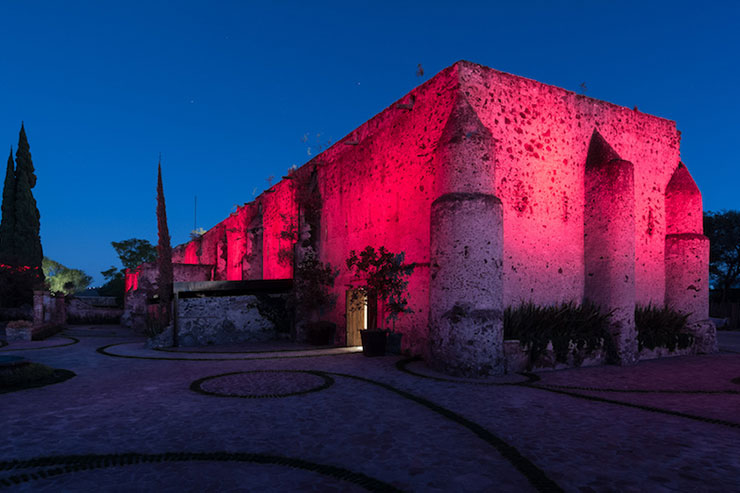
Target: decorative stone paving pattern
{"x": 95, "y": 332}
{"x": 262, "y": 384}
{"x": 253, "y": 347}
{"x": 418, "y": 368}
{"x": 699, "y": 373}
{"x": 258, "y": 472}
{"x": 536, "y": 476}
{"x": 415, "y": 433}
{"x": 52, "y": 342}
{"x": 725, "y": 409}
{"x": 136, "y": 350}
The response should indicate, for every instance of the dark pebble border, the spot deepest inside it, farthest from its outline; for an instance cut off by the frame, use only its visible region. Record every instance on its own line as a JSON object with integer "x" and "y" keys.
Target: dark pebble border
{"x": 639, "y": 391}
{"x": 534, "y": 474}
{"x": 58, "y": 465}
{"x": 58, "y": 377}
{"x": 104, "y": 350}
{"x": 639, "y": 406}
{"x": 197, "y": 386}
{"x": 570, "y": 391}
{"x": 73, "y": 340}
{"x": 313, "y": 348}
{"x": 403, "y": 366}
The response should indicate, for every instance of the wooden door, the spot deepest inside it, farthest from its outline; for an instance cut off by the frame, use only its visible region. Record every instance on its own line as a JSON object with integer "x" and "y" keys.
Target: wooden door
{"x": 356, "y": 310}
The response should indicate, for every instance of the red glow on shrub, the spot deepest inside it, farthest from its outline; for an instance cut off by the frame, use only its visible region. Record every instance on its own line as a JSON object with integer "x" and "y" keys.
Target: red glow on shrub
{"x": 18, "y": 268}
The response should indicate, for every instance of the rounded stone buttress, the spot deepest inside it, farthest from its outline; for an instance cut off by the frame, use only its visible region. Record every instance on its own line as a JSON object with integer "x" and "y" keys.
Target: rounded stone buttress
{"x": 466, "y": 303}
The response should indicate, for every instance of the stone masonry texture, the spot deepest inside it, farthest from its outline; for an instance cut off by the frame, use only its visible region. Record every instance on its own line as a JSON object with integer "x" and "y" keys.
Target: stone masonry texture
{"x": 530, "y": 147}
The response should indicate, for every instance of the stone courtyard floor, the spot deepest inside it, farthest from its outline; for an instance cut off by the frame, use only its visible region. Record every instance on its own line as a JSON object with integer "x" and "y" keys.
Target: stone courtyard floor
{"x": 291, "y": 418}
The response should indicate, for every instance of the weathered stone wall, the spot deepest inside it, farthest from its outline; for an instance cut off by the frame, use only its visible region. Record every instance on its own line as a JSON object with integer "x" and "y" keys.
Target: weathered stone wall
{"x": 378, "y": 184}
{"x": 226, "y": 319}
{"x": 542, "y": 134}
{"x": 48, "y": 309}
{"x": 141, "y": 284}
{"x": 93, "y": 309}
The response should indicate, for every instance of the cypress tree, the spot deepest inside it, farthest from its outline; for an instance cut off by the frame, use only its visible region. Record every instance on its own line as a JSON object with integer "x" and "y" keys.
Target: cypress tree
{"x": 27, "y": 218}
{"x": 164, "y": 251}
{"x": 7, "y": 224}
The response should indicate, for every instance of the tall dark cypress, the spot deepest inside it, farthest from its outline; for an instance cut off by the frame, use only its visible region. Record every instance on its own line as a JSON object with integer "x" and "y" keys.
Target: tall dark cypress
{"x": 164, "y": 251}
{"x": 7, "y": 224}
{"x": 27, "y": 217}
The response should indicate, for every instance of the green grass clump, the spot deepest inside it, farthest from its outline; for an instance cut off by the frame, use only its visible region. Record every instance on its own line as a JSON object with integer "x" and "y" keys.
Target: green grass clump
{"x": 661, "y": 327}
{"x": 585, "y": 327}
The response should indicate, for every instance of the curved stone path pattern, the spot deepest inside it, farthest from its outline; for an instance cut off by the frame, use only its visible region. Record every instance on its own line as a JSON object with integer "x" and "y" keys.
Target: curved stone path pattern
{"x": 135, "y": 350}
{"x": 50, "y": 343}
{"x": 262, "y": 384}
{"x": 272, "y": 417}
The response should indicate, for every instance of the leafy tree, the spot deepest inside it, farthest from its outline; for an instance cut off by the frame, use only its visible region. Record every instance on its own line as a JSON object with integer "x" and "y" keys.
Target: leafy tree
{"x": 28, "y": 250}
{"x": 723, "y": 230}
{"x": 164, "y": 259}
{"x": 385, "y": 277}
{"x": 115, "y": 284}
{"x": 62, "y": 279}
{"x": 7, "y": 225}
{"x": 134, "y": 252}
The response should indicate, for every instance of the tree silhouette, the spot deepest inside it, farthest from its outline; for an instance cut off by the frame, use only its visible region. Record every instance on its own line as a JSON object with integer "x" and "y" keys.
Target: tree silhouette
{"x": 164, "y": 259}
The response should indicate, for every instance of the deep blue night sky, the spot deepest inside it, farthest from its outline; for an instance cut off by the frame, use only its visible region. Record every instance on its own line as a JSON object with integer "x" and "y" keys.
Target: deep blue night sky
{"x": 226, "y": 91}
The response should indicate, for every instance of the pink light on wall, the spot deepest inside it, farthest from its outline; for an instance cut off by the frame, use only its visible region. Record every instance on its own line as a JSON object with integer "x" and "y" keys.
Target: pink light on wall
{"x": 132, "y": 280}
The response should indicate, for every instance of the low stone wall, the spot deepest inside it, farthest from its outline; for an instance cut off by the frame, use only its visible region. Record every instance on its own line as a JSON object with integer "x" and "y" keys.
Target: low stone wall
{"x": 203, "y": 321}
{"x": 93, "y": 310}
{"x": 34, "y": 333}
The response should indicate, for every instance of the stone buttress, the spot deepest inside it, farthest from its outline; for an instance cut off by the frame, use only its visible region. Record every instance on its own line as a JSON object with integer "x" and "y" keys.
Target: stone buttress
{"x": 609, "y": 243}
{"x": 687, "y": 258}
{"x": 466, "y": 251}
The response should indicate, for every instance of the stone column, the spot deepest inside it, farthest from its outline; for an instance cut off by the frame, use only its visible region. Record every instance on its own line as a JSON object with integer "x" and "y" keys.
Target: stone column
{"x": 38, "y": 308}
{"x": 60, "y": 313}
{"x": 49, "y": 306}
{"x": 609, "y": 243}
{"x": 466, "y": 252}
{"x": 687, "y": 258}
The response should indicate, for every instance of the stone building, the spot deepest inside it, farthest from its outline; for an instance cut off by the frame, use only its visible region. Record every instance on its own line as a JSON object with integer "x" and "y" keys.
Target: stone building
{"x": 502, "y": 190}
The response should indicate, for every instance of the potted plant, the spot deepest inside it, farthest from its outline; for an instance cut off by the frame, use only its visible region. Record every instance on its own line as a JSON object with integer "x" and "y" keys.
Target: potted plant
{"x": 384, "y": 277}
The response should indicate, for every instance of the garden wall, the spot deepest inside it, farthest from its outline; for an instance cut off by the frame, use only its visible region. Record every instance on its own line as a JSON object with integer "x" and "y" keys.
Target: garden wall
{"x": 214, "y": 320}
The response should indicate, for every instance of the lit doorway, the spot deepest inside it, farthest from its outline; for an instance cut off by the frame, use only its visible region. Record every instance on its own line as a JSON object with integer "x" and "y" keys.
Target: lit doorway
{"x": 361, "y": 315}
{"x": 356, "y": 316}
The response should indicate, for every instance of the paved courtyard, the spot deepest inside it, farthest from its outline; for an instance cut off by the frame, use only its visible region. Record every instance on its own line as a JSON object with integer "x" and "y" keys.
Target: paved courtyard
{"x": 279, "y": 417}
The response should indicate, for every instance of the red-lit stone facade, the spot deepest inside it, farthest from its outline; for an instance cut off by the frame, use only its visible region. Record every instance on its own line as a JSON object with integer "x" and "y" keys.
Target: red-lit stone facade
{"x": 502, "y": 190}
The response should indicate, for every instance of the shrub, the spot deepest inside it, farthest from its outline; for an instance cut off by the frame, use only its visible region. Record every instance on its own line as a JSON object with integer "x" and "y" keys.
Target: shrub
{"x": 584, "y": 328}
{"x": 24, "y": 375}
{"x": 312, "y": 283}
{"x": 661, "y": 327}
